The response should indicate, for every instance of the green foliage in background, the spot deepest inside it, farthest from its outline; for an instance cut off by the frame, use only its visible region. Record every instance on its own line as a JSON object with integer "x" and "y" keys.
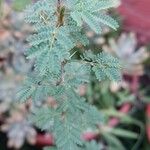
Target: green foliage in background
{"x": 19, "y": 5}
{"x": 1, "y": 8}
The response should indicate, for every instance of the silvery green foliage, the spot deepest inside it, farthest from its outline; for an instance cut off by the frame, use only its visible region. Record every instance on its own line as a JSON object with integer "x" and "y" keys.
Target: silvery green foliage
{"x": 104, "y": 65}
{"x": 88, "y": 11}
{"x": 58, "y": 29}
{"x": 7, "y": 93}
{"x": 12, "y": 70}
{"x": 93, "y": 145}
{"x": 126, "y": 50}
{"x": 88, "y": 146}
{"x": 15, "y": 65}
{"x": 18, "y": 132}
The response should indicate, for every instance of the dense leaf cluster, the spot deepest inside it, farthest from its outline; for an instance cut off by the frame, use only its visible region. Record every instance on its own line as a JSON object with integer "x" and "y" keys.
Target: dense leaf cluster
{"x": 58, "y": 29}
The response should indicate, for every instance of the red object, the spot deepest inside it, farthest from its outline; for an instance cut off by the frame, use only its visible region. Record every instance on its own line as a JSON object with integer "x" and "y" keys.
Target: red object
{"x": 48, "y": 140}
{"x": 44, "y": 140}
{"x": 148, "y": 121}
{"x": 135, "y": 84}
{"x": 135, "y": 14}
{"x": 124, "y": 109}
{"x": 89, "y": 136}
{"x": 148, "y": 111}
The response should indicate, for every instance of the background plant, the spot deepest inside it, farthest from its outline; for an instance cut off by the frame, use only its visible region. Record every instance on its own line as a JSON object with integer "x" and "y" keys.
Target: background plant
{"x": 115, "y": 101}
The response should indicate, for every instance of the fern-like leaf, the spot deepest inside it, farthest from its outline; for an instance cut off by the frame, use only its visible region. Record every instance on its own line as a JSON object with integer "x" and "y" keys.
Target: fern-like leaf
{"x": 93, "y": 146}
{"x": 44, "y": 118}
{"x": 71, "y": 131}
{"x": 104, "y": 65}
{"x": 77, "y": 73}
{"x": 58, "y": 29}
{"x": 83, "y": 12}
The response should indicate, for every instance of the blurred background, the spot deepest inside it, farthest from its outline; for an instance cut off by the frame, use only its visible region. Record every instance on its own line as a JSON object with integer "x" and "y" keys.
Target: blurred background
{"x": 126, "y": 104}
